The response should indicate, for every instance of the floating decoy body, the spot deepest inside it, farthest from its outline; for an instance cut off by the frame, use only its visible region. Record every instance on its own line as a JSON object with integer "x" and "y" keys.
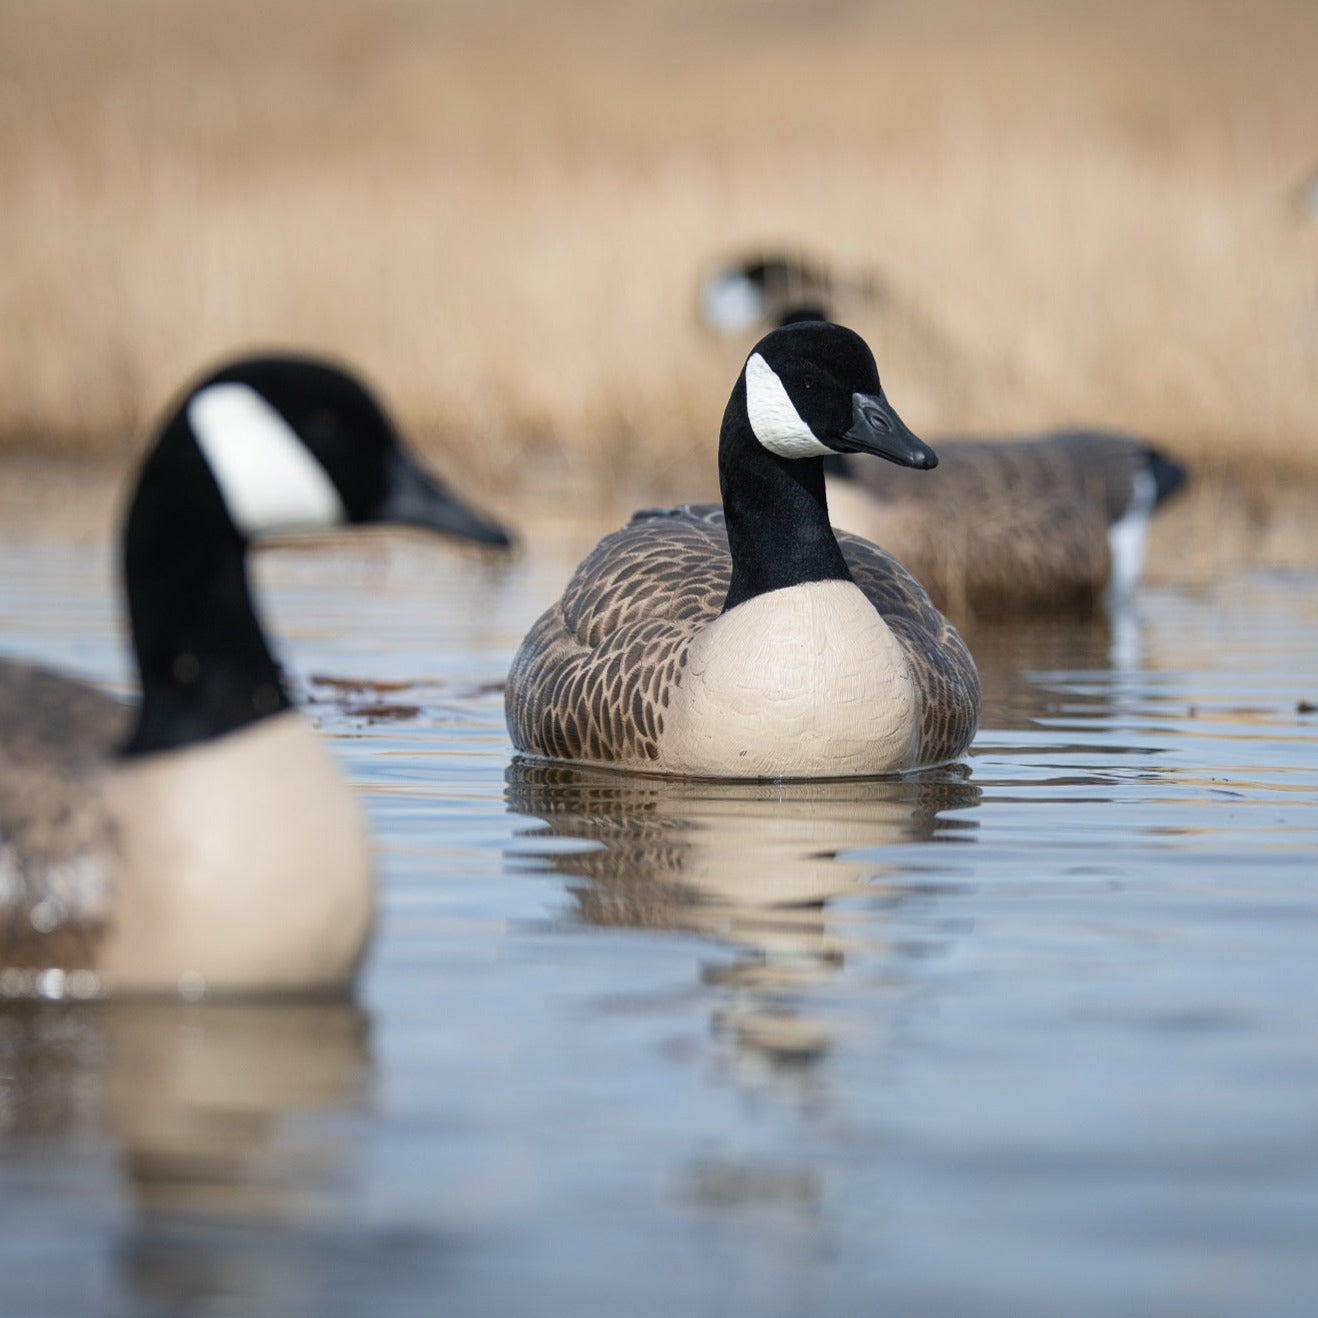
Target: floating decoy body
{"x": 205, "y": 839}
{"x": 1058, "y": 522}
{"x": 749, "y": 641}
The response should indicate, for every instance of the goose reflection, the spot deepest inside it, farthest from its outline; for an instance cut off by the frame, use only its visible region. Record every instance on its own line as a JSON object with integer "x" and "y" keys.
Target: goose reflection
{"x": 209, "y": 1104}
{"x": 758, "y": 866}
{"x": 1023, "y": 663}
{"x": 225, "y": 1118}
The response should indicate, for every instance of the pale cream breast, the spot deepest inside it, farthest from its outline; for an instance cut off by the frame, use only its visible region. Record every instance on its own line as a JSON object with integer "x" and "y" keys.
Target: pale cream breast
{"x": 243, "y": 865}
{"x": 799, "y": 682}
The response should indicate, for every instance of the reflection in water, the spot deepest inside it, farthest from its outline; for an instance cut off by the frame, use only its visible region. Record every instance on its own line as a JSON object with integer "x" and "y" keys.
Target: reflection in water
{"x": 200, "y": 1102}
{"x": 755, "y": 865}
{"x": 1012, "y": 654}
{"x": 211, "y": 1108}
{"x": 50, "y": 1061}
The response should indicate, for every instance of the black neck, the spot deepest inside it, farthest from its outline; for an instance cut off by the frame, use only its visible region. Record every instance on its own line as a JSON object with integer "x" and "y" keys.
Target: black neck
{"x": 776, "y": 513}
{"x": 202, "y": 657}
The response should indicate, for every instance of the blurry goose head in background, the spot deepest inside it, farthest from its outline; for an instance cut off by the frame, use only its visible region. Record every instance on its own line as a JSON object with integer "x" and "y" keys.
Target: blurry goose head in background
{"x": 776, "y": 287}
{"x": 262, "y": 447}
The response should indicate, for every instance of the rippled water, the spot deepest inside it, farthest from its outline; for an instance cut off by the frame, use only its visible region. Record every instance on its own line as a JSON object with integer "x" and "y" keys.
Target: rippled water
{"x": 1037, "y": 1036}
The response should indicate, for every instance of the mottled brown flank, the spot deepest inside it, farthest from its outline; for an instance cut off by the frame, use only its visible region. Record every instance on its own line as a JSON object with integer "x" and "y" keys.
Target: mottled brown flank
{"x": 999, "y": 527}
{"x": 592, "y": 678}
{"x": 55, "y": 737}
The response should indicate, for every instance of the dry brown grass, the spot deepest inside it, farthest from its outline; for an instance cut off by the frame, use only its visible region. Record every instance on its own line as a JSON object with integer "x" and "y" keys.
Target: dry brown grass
{"x": 499, "y": 210}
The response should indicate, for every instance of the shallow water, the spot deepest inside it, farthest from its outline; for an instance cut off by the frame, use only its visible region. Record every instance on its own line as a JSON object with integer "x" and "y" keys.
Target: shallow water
{"x": 1036, "y": 1036}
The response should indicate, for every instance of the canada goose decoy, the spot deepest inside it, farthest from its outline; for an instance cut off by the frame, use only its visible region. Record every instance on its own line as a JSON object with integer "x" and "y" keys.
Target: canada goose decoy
{"x": 206, "y": 839}
{"x": 1057, "y": 522}
{"x": 749, "y": 641}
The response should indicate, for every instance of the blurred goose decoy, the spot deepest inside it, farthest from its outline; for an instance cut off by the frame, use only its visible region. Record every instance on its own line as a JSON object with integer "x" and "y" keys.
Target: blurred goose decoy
{"x": 750, "y": 641}
{"x": 1056, "y": 522}
{"x": 206, "y": 839}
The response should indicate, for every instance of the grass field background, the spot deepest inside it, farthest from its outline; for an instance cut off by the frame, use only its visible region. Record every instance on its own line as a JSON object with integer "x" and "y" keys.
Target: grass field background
{"x": 500, "y": 211}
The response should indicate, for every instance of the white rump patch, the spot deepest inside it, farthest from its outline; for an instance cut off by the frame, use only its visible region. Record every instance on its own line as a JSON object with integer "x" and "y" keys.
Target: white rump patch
{"x": 1127, "y": 537}
{"x": 774, "y": 418}
{"x": 267, "y": 477}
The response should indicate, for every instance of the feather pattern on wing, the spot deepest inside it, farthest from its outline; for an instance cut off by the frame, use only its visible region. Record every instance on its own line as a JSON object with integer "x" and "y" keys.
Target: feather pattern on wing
{"x": 56, "y": 837}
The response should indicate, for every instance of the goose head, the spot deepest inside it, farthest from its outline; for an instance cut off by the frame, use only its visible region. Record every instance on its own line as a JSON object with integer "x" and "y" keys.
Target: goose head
{"x": 260, "y": 447}
{"x": 811, "y": 389}
{"x": 293, "y": 443}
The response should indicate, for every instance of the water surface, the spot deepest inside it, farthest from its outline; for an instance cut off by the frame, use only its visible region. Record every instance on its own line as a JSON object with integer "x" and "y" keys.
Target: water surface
{"x": 1031, "y": 1036}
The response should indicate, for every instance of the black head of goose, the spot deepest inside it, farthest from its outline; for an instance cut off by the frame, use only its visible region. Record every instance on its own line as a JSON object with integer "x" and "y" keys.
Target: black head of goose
{"x": 205, "y": 840}
{"x": 750, "y": 641}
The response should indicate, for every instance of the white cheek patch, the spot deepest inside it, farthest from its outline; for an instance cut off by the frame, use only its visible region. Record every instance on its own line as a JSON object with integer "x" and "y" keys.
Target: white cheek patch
{"x": 774, "y": 419}
{"x": 267, "y": 478}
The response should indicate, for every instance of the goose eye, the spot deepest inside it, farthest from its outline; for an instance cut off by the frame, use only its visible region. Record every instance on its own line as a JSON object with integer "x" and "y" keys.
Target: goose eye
{"x": 875, "y": 416}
